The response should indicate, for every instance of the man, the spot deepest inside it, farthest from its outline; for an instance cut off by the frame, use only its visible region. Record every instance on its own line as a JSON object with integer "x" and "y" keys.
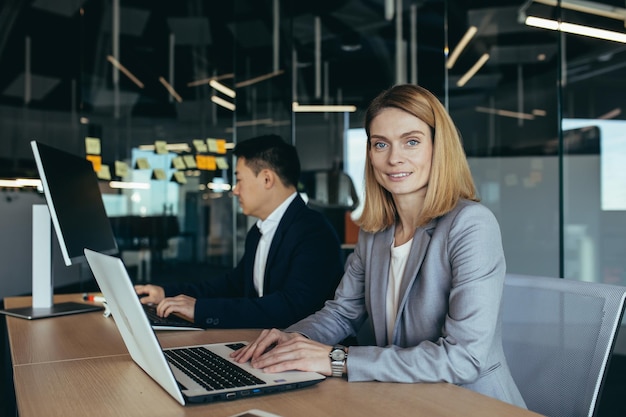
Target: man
{"x": 292, "y": 260}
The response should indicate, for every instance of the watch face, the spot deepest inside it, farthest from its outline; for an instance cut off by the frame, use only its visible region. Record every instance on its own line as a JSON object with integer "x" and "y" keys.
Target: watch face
{"x": 338, "y": 355}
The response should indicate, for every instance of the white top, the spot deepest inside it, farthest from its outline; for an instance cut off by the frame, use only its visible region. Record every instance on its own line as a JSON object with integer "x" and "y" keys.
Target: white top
{"x": 268, "y": 229}
{"x": 399, "y": 256}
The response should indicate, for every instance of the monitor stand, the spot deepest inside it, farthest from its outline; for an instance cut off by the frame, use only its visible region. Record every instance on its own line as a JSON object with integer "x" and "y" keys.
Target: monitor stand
{"x": 43, "y": 285}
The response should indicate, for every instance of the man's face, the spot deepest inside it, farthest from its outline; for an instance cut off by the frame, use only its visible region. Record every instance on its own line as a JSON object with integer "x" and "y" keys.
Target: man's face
{"x": 250, "y": 189}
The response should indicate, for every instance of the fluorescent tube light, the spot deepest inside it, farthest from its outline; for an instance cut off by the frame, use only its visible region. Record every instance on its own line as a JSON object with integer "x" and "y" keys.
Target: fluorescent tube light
{"x": 472, "y": 71}
{"x": 505, "y": 113}
{"x": 216, "y": 186}
{"x": 612, "y": 114}
{"x": 589, "y": 7}
{"x": 258, "y": 79}
{"x": 255, "y": 122}
{"x": 9, "y": 184}
{"x": 298, "y": 108}
{"x": 130, "y": 185}
{"x": 222, "y": 88}
{"x": 220, "y": 101}
{"x": 208, "y": 80}
{"x": 170, "y": 89}
{"x": 471, "y": 31}
{"x": 20, "y": 182}
{"x": 126, "y": 72}
{"x": 576, "y": 29}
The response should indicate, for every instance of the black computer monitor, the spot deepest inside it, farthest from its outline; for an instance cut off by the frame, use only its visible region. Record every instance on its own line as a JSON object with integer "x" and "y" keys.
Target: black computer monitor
{"x": 75, "y": 203}
{"x": 77, "y": 211}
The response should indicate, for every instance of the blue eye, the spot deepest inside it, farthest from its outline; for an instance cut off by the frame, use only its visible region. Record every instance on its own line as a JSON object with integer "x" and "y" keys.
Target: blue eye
{"x": 413, "y": 142}
{"x": 380, "y": 145}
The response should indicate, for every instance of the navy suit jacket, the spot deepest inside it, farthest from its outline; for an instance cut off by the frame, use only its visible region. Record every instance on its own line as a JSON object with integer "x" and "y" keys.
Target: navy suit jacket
{"x": 304, "y": 267}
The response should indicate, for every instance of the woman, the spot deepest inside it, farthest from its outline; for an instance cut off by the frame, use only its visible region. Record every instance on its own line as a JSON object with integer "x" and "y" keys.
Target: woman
{"x": 428, "y": 268}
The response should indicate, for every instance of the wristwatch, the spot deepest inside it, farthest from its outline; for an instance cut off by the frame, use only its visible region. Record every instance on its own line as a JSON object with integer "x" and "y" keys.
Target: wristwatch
{"x": 338, "y": 355}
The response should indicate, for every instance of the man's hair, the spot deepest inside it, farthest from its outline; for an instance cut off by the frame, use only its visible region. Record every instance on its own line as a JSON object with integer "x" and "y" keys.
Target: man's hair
{"x": 271, "y": 152}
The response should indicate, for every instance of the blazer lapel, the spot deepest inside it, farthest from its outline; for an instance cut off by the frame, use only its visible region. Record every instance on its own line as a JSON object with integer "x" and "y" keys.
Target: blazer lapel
{"x": 379, "y": 276}
{"x": 296, "y": 205}
{"x": 419, "y": 248}
{"x": 252, "y": 241}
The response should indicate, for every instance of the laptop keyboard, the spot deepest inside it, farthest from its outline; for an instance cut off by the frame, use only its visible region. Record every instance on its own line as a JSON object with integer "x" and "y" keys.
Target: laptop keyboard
{"x": 171, "y": 320}
{"x": 209, "y": 370}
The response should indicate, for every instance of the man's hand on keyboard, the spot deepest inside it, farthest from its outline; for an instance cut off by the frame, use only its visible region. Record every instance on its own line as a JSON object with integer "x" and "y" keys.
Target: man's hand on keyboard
{"x": 181, "y": 304}
{"x": 150, "y": 294}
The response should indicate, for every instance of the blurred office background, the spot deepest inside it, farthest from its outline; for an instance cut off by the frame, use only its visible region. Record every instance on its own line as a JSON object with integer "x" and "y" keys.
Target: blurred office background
{"x": 539, "y": 110}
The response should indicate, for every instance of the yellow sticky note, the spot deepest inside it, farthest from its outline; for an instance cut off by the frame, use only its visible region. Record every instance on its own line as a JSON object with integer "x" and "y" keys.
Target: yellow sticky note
{"x": 199, "y": 145}
{"x": 211, "y": 164}
{"x": 104, "y": 173}
{"x": 92, "y": 146}
{"x": 190, "y": 161}
{"x": 159, "y": 174}
{"x": 160, "y": 147}
{"x": 180, "y": 178}
{"x": 96, "y": 161}
{"x": 121, "y": 169}
{"x": 221, "y": 146}
{"x": 221, "y": 162}
{"x": 178, "y": 163}
{"x": 142, "y": 163}
{"x": 212, "y": 144}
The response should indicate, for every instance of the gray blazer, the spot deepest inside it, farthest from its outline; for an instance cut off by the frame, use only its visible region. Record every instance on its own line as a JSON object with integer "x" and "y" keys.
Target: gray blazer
{"x": 448, "y": 326}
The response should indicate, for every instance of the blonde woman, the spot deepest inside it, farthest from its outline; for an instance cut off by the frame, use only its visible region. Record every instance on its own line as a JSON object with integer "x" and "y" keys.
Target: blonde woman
{"x": 428, "y": 269}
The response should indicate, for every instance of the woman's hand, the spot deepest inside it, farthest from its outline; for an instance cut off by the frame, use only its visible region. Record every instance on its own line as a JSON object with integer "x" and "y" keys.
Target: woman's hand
{"x": 290, "y": 351}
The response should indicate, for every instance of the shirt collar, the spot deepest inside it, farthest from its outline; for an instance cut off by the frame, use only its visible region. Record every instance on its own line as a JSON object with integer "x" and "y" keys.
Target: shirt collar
{"x": 274, "y": 218}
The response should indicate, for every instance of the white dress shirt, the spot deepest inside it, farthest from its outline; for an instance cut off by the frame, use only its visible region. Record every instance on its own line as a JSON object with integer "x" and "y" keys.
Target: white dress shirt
{"x": 267, "y": 228}
{"x": 399, "y": 256}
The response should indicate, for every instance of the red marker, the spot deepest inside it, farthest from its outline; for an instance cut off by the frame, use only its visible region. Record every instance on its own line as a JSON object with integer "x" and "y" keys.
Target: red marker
{"x": 95, "y": 298}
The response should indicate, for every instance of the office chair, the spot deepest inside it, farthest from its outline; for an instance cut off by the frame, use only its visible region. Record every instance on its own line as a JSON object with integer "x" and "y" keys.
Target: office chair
{"x": 558, "y": 336}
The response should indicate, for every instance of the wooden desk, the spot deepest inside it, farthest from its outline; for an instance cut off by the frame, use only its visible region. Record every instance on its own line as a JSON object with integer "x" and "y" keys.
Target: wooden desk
{"x": 78, "y": 365}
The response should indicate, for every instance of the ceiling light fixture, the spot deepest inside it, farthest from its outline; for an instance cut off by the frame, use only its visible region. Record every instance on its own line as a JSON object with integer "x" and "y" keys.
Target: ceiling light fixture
{"x": 258, "y": 79}
{"x": 130, "y": 185}
{"x": 222, "y": 88}
{"x": 469, "y": 34}
{"x": 208, "y": 80}
{"x": 20, "y": 183}
{"x": 255, "y": 122}
{"x": 472, "y": 71}
{"x": 575, "y": 29}
{"x": 217, "y": 186}
{"x": 505, "y": 113}
{"x": 588, "y": 7}
{"x": 126, "y": 72}
{"x": 298, "y": 108}
{"x": 170, "y": 89}
{"x": 226, "y": 104}
{"x": 611, "y": 115}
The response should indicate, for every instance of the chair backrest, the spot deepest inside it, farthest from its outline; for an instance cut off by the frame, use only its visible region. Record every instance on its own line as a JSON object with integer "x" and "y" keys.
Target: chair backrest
{"x": 558, "y": 336}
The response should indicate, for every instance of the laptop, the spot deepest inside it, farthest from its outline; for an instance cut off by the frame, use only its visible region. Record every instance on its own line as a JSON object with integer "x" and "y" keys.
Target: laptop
{"x": 165, "y": 366}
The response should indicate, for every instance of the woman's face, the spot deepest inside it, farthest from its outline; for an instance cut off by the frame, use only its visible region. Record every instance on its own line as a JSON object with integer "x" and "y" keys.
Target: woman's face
{"x": 401, "y": 149}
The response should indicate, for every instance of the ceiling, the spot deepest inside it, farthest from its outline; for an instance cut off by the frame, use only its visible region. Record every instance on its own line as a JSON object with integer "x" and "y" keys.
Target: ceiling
{"x": 65, "y": 43}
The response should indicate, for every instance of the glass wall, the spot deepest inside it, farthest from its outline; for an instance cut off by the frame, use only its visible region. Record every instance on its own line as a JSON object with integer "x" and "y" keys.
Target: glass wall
{"x": 539, "y": 111}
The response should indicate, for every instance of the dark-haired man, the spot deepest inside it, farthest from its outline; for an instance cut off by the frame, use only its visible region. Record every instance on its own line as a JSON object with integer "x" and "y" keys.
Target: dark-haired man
{"x": 292, "y": 261}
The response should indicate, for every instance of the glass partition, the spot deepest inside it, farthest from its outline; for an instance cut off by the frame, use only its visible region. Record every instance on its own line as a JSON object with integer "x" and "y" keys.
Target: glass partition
{"x": 167, "y": 90}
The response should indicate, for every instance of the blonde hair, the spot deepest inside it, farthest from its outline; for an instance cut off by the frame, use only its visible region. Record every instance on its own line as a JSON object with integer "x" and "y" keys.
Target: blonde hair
{"x": 450, "y": 176}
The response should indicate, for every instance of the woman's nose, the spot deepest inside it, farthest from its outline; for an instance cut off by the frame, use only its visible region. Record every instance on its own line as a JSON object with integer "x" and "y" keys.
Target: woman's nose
{"x": 395, "y": 155}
